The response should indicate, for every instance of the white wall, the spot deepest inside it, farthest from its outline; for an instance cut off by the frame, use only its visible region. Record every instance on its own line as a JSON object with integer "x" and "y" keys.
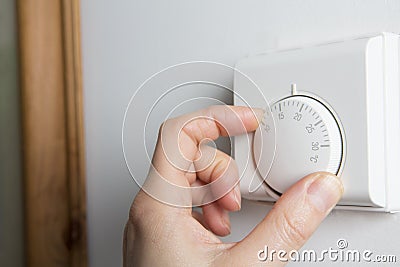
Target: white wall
{"x": 124, "y": 42}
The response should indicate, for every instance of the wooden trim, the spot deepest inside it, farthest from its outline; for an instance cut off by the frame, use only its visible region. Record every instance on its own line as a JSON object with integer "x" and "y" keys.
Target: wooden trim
{"x": 52, "y": 122}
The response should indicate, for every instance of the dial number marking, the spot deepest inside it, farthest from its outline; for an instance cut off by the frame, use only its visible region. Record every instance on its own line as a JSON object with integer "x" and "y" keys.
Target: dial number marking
{"x": 314, "y": 159}
{"x": 307, "y": 140}
{"x": 315, "y": 146}
{"x": 297, "y": 116}
{"x": 310, "y": 129}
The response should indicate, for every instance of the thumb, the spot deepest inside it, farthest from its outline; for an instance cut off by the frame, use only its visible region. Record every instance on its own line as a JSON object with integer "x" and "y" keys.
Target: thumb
{"x": 293, "y": 219}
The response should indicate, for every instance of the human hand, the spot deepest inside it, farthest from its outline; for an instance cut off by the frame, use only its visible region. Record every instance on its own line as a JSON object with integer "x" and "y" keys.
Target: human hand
{"x": 160, "y": 234}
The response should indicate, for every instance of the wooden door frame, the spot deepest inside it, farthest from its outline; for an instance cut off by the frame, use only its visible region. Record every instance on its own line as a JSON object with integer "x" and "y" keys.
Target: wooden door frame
{"x": 52, "y": 132}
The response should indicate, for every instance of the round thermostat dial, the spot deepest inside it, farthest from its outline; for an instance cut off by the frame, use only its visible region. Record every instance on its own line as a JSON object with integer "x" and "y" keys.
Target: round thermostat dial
{"x": 308, "y": 139}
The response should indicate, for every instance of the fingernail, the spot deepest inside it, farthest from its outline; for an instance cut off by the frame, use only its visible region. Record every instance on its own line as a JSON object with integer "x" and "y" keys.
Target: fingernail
{"x": 236, "y": 194}
{"x": 259, "y": 112}
{"x": 226, "y": 223}
{"x": 325, "y": 192}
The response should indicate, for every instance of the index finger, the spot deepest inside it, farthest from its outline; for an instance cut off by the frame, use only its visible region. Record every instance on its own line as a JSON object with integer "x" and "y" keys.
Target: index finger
{"x": 178, "y": 148}
{"x": 180, "y": 137}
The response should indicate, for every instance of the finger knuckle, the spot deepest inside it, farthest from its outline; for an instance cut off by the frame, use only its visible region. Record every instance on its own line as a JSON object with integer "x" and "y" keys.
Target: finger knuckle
{"x": 167, "y": 126}
{"x": 293, "y": 230}
{"x": 136, "y": 213}
{"x": 163, "y": 125}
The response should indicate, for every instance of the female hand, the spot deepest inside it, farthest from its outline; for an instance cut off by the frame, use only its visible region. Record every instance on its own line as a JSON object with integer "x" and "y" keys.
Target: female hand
{"x": 161, "y": 234}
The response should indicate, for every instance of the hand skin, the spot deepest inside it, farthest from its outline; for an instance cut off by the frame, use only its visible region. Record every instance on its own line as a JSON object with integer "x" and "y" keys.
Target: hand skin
{"x": 158, "y": 234}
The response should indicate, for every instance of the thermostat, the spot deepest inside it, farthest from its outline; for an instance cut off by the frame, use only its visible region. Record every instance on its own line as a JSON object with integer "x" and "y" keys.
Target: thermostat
{"x": 333, "y": 107}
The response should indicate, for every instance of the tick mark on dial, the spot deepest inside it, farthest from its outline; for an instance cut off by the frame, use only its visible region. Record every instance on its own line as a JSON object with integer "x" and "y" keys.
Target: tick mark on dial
{"x": 301, "y": 107}
{"x": 318, "y": 122}
{"x": 324, "y": 145}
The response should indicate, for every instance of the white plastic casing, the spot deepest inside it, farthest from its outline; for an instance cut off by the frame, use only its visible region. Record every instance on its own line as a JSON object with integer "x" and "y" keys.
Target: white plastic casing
{"x": 359, "y": 79}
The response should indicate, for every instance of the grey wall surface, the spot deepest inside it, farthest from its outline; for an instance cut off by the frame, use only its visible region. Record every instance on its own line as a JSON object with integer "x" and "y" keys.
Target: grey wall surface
{"x": 11, "y": 224}
{"x": 125, "y": 42}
